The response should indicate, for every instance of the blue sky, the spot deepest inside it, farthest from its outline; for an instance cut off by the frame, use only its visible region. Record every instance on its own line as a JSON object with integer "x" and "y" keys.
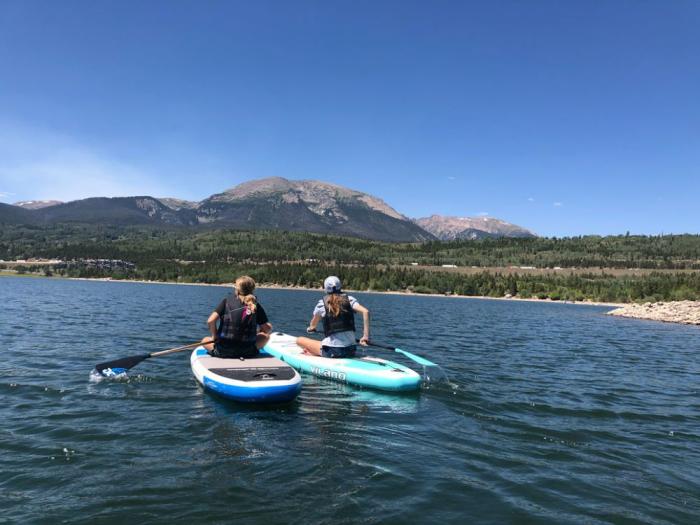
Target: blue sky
{"x": 564, "y": 117}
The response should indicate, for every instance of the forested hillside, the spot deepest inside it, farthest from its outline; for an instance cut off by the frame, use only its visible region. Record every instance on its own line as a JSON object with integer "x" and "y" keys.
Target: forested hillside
{"x": 303, "y": 259}
{"x": 142, "y": 244}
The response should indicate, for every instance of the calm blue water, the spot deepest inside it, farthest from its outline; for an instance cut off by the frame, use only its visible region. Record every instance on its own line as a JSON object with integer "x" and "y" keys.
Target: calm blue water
{"x": 555, "y": 414}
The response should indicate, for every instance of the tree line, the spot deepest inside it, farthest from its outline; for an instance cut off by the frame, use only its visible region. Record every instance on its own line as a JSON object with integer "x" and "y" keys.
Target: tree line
{"x": 655, "y": 286}
{"x": 302, "y": 259}
{"x": 146, "y": 244}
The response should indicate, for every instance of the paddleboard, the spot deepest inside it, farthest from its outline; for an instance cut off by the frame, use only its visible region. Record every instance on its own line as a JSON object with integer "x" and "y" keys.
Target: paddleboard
{"x": 262, "y": 379}
{"x": 369, "y": 372}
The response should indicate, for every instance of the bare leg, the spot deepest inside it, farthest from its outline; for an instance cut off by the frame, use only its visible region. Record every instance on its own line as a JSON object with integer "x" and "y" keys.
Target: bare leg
{"x": 310, "y": 346}
{"x": 261, "y": 340}
{"x": 208, "y": 346}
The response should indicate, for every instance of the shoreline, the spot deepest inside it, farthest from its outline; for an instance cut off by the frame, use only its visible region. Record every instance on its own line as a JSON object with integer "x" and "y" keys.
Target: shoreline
{"x": 678, "y": 312}
{"x": 456, "y": 296}
{"x": 272, "y": 286}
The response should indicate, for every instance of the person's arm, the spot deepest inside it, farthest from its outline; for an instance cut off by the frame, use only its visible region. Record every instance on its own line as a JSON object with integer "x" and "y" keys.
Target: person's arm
{"x": 264, "y": 324}
{"x": 313, "y": 323}
{"x": 365, "y": 323}
{"x": 211, "y": 323}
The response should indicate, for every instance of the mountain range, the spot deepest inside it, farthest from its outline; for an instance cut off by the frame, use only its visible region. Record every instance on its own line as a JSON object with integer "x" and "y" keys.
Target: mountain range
{"x": 452, "y": 228}
{"x": 271, "y": 203}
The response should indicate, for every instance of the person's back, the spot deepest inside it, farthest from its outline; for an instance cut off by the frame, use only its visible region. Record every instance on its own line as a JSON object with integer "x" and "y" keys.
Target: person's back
{"x": 337, "y": 311}
{"x": 239, "y": 324}
{"x": 238, "y": 327}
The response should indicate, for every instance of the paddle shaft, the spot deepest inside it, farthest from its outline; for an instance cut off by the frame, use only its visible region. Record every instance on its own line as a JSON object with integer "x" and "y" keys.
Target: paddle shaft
{"x": 386, "y": 347}
{"x": 418, "y": 359}
{"x": 178, "y": 349}
{"x": 125, "y": 363}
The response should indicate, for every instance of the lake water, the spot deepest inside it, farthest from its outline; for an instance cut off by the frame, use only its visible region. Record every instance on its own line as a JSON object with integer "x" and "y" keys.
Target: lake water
{"x": 554, "y": 414}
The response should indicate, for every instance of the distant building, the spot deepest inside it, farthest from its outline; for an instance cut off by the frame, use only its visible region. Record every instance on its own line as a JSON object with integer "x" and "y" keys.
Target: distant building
{"x": 99, "y": 264}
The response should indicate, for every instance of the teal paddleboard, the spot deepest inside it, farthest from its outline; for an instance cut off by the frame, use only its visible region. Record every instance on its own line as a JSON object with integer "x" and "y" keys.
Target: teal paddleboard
{"x": 369, "y": 372}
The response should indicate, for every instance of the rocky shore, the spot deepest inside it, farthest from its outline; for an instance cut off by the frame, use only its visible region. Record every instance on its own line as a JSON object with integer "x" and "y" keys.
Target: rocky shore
{"x": 686, "y": 312}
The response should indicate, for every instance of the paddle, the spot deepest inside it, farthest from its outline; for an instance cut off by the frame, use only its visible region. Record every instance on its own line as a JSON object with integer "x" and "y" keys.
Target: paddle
{"x": 418, "y": 359}
{"x": 119, "y": 366}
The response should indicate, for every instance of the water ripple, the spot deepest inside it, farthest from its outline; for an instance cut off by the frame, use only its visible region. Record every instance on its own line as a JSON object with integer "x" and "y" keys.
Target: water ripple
{"x": 552, "y": 414}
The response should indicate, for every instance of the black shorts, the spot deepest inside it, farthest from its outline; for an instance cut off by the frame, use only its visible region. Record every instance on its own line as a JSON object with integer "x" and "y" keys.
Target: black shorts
{"x": 336, "y": 352}
{"x": 234, "y": 350}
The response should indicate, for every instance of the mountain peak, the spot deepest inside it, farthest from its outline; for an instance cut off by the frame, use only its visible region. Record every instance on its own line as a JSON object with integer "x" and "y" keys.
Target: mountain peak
{"x": 258, "y": 187}
{"x": 322, "y": 197}
{"x": 448, "y": 228}
{"x": 36, "y": 205}
{"x": 308, "y": 205}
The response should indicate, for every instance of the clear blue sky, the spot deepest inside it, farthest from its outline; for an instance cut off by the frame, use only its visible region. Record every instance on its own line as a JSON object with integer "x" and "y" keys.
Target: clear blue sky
{"x": 564, "y": 117}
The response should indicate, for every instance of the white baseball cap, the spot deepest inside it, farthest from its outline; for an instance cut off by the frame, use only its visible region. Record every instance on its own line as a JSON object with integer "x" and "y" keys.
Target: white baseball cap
{"x": 331, "y": 284}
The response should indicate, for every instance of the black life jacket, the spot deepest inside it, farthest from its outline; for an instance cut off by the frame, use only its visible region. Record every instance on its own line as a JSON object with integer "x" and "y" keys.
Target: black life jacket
{"x": 239, "y": 324}
{"x": 343, "y": 322}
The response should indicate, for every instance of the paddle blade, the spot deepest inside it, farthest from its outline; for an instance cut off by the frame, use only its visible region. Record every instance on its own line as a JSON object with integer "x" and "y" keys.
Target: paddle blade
{"x": 418, "y": 359}
{"x": 119, "y": 366}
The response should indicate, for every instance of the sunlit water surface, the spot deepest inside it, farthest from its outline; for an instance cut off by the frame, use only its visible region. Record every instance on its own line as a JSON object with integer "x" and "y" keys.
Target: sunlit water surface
{"x": 554, "y": 414}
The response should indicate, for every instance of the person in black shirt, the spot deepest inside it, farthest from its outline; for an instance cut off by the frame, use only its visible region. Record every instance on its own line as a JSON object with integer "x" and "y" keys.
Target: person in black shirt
{"x": 239, "y": 326}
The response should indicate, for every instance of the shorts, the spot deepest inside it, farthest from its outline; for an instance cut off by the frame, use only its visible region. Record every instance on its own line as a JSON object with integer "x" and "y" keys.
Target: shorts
{"x": 234, "y": 351}
{"x": 338, "y": 351}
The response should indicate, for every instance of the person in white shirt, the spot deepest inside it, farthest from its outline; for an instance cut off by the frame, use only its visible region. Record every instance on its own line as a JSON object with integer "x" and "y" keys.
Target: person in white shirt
{"x": 337, "y": 312}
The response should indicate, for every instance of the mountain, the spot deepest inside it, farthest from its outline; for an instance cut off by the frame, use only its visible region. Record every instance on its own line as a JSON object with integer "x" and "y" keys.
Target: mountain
{"x": 273, "y": 203}
{"x": 120, "y": 211}
{"x": 10, "y": 214}
{"x": 450, "y": 228}
{"x": 308, "y": 205}
{"x": 36, "y": 205}
{"x": 178, "y": 204}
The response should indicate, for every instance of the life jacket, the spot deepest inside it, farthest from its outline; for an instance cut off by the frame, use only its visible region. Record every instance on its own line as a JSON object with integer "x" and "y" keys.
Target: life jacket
{"x": 343, "y": 322}
{"x": 239, "y": 324}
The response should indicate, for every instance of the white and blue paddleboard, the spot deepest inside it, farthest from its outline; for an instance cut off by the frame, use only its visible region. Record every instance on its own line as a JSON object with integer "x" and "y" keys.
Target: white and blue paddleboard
{"x": 369, "y": 372}
{"x": 262, "y": 379}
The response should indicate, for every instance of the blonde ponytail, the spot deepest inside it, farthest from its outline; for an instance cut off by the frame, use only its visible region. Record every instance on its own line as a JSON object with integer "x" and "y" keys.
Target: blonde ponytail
{"x": 336, "y": 303}
{"x": 245, "y": 286}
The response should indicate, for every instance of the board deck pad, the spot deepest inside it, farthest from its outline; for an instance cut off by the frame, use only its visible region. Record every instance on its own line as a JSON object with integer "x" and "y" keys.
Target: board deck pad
{"x": 255, "y": 374}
